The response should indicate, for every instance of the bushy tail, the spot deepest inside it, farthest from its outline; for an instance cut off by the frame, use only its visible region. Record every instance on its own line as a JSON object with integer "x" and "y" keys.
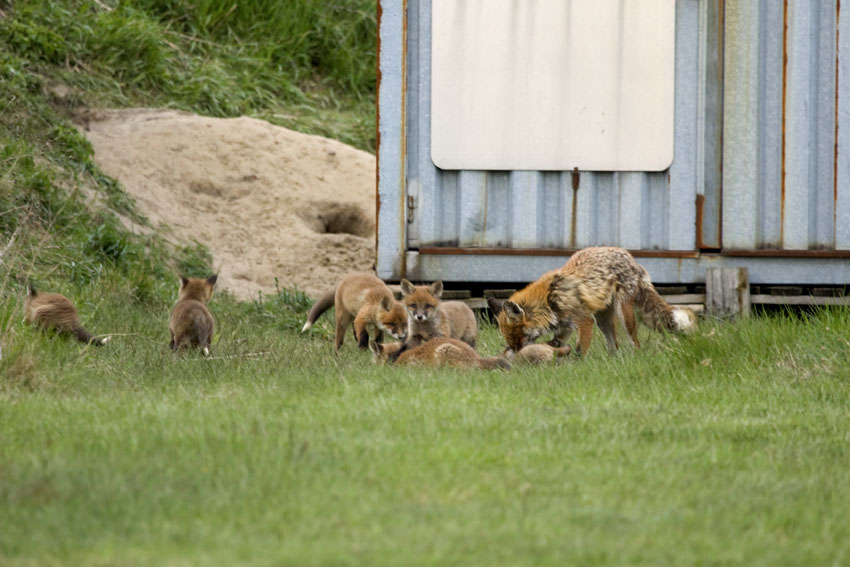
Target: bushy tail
{"x": 493, "y": 363}
{"x": 322, "y": 305}
{"x": 658, "y": 314}
{"x": 84, "y": 336}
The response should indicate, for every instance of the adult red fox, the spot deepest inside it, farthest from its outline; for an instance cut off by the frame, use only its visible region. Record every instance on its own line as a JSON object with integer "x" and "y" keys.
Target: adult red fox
{"x": 436, "y": 352}
{"x": 366, "y": 301}
{"x": 191, "y": 321}
{"x": 428, "y": 317}
{"x": 598, "y": 282}
{"x": 55, "y": 311}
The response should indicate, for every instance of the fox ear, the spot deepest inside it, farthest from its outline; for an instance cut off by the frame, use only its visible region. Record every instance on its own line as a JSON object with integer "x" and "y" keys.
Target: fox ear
{"x": 437, "y": 288}
{"x": 495, "y": 305}
{"x": 512, "y": 310}
{"x": 406, "y": 287}
{"x": 183, "y": 280}
{"x": 386, "y": 303}
{"x": 212, "y": 279}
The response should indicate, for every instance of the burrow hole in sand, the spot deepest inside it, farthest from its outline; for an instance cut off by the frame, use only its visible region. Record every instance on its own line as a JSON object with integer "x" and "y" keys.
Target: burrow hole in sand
{"x": 337, "y": 218}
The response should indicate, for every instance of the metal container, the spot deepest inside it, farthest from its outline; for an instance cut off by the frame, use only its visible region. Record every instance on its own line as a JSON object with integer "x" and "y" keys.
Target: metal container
{"x": 760, "y": 176}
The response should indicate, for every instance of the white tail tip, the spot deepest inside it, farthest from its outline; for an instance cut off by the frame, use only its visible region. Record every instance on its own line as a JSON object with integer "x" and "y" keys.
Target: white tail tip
{"x": 685, "y": 320}
{"x": 306, "y": 326}
{"x": 104, "y": 340}
{"x": 206, "y": 351}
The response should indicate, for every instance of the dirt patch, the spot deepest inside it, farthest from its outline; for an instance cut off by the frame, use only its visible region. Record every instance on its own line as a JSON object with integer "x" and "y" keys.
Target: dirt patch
{"x": 267, "y": 201}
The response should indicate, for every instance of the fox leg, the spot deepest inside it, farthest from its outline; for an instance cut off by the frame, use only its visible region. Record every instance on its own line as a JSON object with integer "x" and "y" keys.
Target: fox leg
{"x": 628, "y": 312}
{"x": 343, "y": 320}
{"x": 585, "y": 332}
{"x": 605, "y": 320}
{"x": 562, "y": 335}
{"x": 361, "y": 331}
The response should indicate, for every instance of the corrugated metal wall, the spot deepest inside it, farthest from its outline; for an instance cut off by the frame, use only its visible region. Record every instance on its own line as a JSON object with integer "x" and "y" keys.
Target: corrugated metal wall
{"x": 762, "y": 159}
{"x": 524, "y": 209}
{"x": 783, "y": 186}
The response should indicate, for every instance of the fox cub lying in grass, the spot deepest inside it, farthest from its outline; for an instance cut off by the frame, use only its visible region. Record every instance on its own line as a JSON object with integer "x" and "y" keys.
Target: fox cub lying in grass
{"x": 55, "y": 311}
{"x": 437, "y": 352}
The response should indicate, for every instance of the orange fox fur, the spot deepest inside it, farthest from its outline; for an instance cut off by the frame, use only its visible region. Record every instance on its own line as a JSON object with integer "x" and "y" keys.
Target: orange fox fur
{"x": 439, "y": 351}
{"x": 598, "y": 282}
{"x": 365, "y": 301}
{"x": 55, "y": 311}
{"x": 428, "y": 317}
{"x": 191, "y": 321}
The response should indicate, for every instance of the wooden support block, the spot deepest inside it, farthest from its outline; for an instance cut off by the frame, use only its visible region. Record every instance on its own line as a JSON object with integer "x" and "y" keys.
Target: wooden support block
{"x": 727, "y": 292}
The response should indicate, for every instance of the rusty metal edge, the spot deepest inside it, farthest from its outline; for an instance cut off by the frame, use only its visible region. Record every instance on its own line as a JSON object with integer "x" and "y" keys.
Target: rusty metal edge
{"x": 455, "y": 251}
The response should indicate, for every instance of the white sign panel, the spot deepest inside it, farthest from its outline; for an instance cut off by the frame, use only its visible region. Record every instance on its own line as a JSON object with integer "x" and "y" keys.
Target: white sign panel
{"x": 552, "y": 84}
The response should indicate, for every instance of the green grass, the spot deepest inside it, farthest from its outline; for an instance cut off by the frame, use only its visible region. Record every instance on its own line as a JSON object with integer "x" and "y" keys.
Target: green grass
{"x": 728, "y": 447}
{"x": 309, "y": 65}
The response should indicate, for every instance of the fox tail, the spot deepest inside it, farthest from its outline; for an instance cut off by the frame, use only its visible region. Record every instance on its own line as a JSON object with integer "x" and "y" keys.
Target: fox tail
{"x": 322, "y": 305}
{"x": 658, "y": 314}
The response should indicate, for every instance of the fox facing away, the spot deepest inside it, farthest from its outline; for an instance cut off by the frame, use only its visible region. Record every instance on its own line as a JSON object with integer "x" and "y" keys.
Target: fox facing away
{"x": 598, "y": 282}
{"x": 55, "y": 311}
{"x": 191, "y": 321}
{"x": 428, "y": 317}
{"x": 366, "y": 301}
{"x": 437, "y": 352}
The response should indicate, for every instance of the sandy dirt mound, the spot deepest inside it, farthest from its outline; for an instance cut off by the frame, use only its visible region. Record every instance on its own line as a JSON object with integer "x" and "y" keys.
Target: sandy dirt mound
{"x": 268, "y": 202}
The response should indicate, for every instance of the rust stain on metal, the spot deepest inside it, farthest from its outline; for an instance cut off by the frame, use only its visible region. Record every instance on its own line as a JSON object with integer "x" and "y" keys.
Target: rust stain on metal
{"x": 445, "y": 251}
{"x": 576, "y": 184}
{"x": 403, "y": 176}
{"x": 700, "y": 210}
{"x": 380, "y": 13}
{"x": 835, "y": 145}
{"x": 721, "y": 65}
{"x": 743, "y": 253}
{"x": 788, "y": 253}
{"x": 784, "y": 100}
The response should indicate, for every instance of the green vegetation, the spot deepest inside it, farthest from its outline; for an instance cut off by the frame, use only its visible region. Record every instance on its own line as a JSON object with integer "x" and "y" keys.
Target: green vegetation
{"x": 726, "y": 447}
{"x": 729, "y": 447}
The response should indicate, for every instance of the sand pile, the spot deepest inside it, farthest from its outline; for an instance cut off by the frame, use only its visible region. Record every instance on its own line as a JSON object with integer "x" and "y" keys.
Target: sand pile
{"x": 268, "y": 202}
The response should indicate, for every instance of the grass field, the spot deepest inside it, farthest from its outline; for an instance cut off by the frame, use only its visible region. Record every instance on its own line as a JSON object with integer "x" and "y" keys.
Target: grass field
{"x": 728, "y": 447}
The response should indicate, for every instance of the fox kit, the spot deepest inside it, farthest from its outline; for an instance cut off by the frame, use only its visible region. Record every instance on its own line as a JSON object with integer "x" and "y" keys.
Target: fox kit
{"x": 191, "y": 321}
{"x": 366, "y": 301}
{"x": 598, "y": 282}
{"x": 539, "y": 353}
{"x": 428, "y": 317}
{"x": 55, "y": 311}
{"x": 439, "y": 351}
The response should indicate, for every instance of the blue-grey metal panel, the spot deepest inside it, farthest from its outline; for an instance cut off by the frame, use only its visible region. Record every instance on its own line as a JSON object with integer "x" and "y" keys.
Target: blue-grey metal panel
{"x": 842, "y": 166}
{"x": 501, "y": 268}
{"x": 809, "y": 126}
{"x": 781, "y": 111}
{"x": 779, "y": 133}
{"x": 528, "y": 209}
{"x": 391, "y": 167}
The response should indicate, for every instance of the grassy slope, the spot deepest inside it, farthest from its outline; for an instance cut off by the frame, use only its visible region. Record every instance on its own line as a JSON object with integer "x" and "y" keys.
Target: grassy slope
{"x": 727, "y": 447}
